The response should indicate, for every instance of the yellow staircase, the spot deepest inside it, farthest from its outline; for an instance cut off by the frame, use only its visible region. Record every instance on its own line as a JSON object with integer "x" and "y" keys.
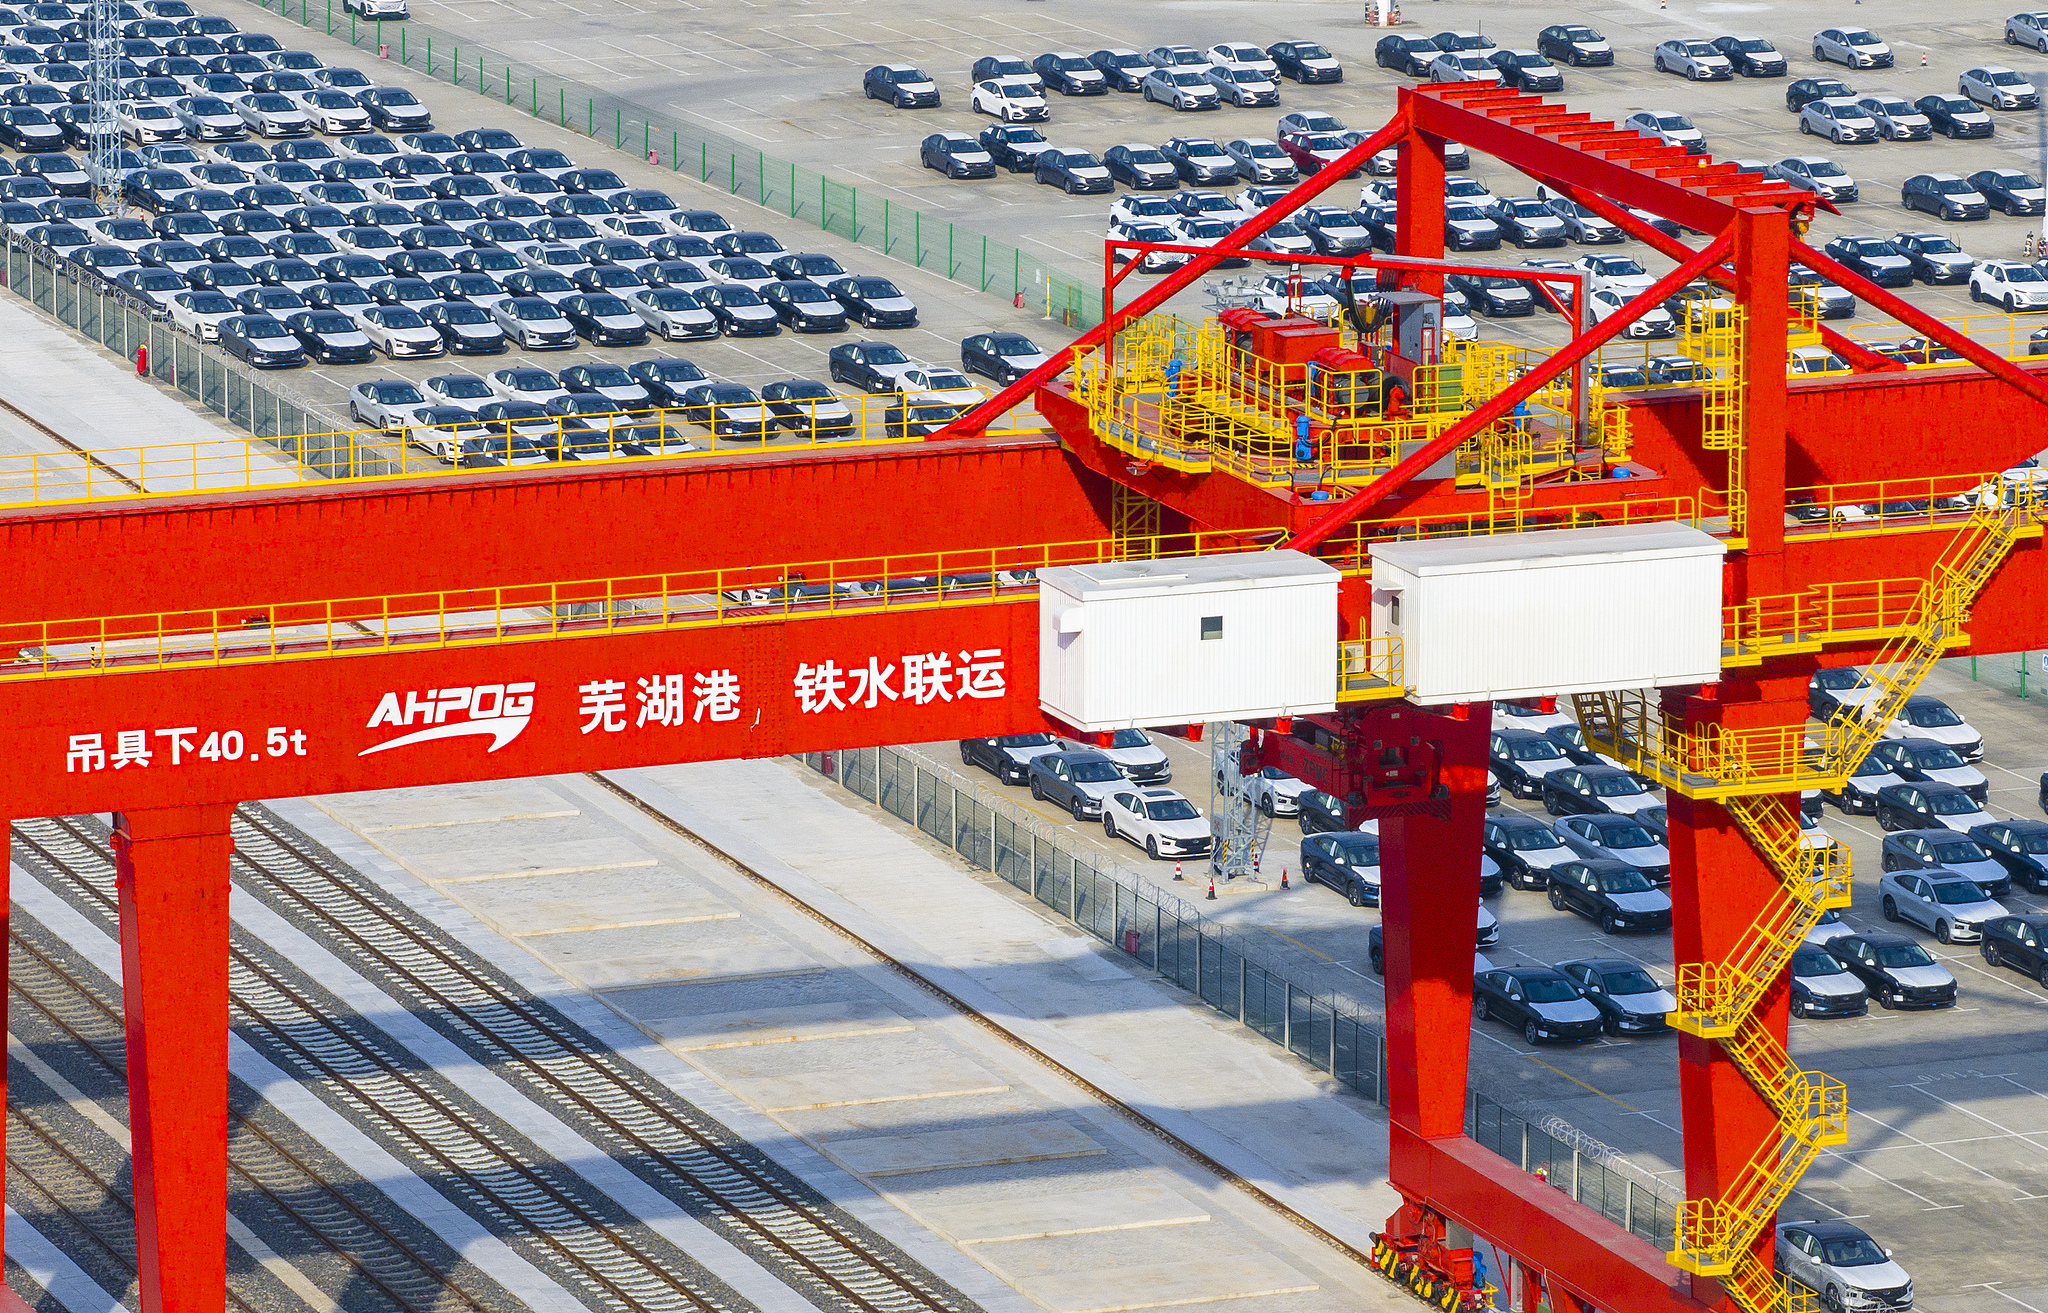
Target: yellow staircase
{"x": 1755, "y": 775}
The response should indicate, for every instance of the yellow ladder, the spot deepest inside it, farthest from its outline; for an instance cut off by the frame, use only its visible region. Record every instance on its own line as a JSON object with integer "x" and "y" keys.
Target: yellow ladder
{"x": 1753, "y": 775}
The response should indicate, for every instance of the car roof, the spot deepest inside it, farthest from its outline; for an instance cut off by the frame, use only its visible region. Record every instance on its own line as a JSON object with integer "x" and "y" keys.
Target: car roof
{"x": 1878, "y": 938}
{"x": 1930, "y": 786}
{"x": 1928, "y": 699}
{"x": 1530, "y": 973}
{"x": 1158, "y": 793}
{"x": 1610, "y": 865}
{"x": 1603, "y": 772}
{"x": 1601, "y": 964}
{"x": 1832, "y": 1230}
{"x": 1517, "y": 818}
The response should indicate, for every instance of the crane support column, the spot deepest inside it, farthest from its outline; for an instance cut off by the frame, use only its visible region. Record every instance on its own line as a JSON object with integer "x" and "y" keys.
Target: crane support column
{"x": 1430, "y": 856}
{"x": 1720, "y": 883}
{"x": 172, "y": 870}
{"x": 1763, "y": 243}
{"x": 1419, "y": 204}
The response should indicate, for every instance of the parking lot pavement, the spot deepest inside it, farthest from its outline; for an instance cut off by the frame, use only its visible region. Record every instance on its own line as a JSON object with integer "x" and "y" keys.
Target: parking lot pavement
{"x": 1949, "y": 1129}
{"x": 946, "y": 312}
{"x": 790, "y": 86}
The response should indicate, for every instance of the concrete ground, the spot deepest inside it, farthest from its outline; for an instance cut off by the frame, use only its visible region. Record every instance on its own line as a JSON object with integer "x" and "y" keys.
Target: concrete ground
{"x": 1948, "y": 1155}
{"x": 1003, "y": 1178}
{"x": 75, "y": 423}
{"x": 947, "y": 312}
{"x": 788, "y": 83}
{"x": 789, "y": 86}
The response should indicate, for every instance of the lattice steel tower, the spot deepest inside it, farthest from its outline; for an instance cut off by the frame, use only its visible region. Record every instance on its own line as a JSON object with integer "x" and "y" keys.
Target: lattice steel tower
{"x": 104, "y": 36}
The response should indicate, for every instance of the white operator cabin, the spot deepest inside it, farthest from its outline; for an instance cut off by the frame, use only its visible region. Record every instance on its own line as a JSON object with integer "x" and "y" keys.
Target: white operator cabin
{"x": 1187, "y": 640}
{"x": 1557, "y": 611}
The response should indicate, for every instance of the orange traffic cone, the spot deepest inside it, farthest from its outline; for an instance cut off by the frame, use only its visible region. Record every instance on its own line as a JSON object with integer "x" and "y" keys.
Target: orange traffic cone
{"x": 1176, "y": 870}
{"x": 1212, "y": 886}
{"x": 1283, "y": 878}
{"x": 1923, "y": 59}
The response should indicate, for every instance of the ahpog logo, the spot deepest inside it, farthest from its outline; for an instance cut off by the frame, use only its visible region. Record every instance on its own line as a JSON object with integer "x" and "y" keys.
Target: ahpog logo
{"x": 499, "y": 710}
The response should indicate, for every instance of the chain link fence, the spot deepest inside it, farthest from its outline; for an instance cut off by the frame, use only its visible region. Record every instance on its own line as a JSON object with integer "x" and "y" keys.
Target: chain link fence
{"x": 1220, "y": 966}
{"x": 903, "y": 232}
{"x": 124, "y": 325}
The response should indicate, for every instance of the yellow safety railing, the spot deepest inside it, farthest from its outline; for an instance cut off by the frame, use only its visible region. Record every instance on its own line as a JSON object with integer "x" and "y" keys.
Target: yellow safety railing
{"x": 1369, "y": 668}
{"x": 324, "y": 459}
{"x": 1754, "y": 773}
{"x": 1790, "y": 623}
{"x": 1913, "y": 505}
{"x": 270, "y": 630}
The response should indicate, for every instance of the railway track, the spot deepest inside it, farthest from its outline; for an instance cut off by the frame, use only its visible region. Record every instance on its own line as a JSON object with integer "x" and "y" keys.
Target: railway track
{"x": 604, "y": 1256}
{"x": 379, "y": 1263}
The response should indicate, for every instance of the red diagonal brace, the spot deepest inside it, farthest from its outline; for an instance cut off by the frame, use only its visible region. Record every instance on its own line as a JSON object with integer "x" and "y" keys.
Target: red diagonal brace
{"x": 974, "y": 421}
{"x": 1511, "y": 396}
{"x": 1985, "y": 359}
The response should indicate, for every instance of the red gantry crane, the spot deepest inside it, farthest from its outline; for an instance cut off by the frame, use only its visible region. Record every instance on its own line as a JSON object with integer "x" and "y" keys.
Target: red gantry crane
{"x": 175, "y": 655}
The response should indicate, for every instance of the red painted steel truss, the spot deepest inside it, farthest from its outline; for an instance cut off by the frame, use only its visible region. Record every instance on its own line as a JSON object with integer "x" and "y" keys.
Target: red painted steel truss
{"x": 171, "y": 745}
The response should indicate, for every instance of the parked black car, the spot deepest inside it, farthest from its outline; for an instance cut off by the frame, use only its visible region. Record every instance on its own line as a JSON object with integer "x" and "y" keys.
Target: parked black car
{"x": 1593, "y": 790}
{"x": 1817, "y": 986}
{"x": 1955, "y": 117}
{"x": 1007, "y": 757}
{"x": 1015, "y": 146}
{"x": 1751, "y": 56}
{"x": 1542, "y": 1002}
{"x": 1070, "y": 75}
{"x": 1523, "y": 847}
{"x": 1949, "y": 852}
{"x": 1124, "y": 70}
{"x": 1409, "y": 55}
{"x": 1576, "y": 44}
{"x": 1924, "y": 759}
{"x": 956, "y": 155}
{"x": 2012, "y": 191}
{"x": 262, "y": 341}
{"x": 666, "y": 378}
{"x": 1075, "y": 172}
{"x": 1520, "y": 758}
{"x": 1897, "y": 971}
{"x": 1348, "y": 862}
{"x": 1912, "y": 806}
{"x": 869, "y": 366}
{"x": 1077, "y": 781}
{"x": 2021, "y": 847}
{"x": 1305, "y": 61}
{"x": 1004, "y": 357}
{"x": 1806, "y": 90}
{"x": 1613, "y": 894}
{"x": 1630, "y": 1002}
{"x": 921, "y": 419}
{"x": 1199, "y": 160}
{"x": 2019, "y": 942}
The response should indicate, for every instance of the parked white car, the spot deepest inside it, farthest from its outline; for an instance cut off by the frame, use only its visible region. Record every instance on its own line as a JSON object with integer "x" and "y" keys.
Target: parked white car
{"x": 1160, "y": 821}
{"x": 1013, "y": 100}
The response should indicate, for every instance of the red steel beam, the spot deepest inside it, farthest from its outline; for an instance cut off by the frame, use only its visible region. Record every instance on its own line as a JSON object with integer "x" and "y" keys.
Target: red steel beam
{"x": 1983, "y": 357}
{"x": 1510, "y": 397}
{"x": 978, "y": 419}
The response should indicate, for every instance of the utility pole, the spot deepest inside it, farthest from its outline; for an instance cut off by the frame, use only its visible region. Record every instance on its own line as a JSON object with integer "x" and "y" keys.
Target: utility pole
{"x": 105, "y": 129}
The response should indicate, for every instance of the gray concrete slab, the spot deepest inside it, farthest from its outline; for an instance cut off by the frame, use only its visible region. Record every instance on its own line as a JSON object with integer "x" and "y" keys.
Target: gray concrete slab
{"x": 927, "y": 1112}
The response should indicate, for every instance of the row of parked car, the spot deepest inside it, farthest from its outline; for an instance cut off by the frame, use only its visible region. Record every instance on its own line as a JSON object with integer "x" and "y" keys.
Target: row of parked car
{"x": 1015, "y": 90}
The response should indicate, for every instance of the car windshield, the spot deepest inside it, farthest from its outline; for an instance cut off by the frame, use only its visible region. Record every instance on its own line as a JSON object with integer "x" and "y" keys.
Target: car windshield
{"x": 1623, "y": 882}
{"x": 1528, "y": 209}
{"x": 1187, "y": 79}
{"x": 1903, "y": 955}
{"x": 2007, "y": 78}
{"x": 1538, "y": 749}
{"x": 1532, "y": 839}
{"x": 1754, "y": 46}
{"x": 1936, "y": 757}
{"x": 1860, "y": 1252}
{"x": 1673, "y": 122}
{"x": 1246, "y": 75}
{"x": 1019, "y": 91}
{"x": 1936, "y": 246}
{"x": 1629, "y": 982}
{"x": 2023, "y": 273}
{"x": 1952, "y": 186}
{"x": 1933, "y": 715}
{"x": 1615, "y": 786}
{"x": 1957, "y": 893}
{"x": 1172, "y": 809}
{"x": 1309, "y": 50}
{"x": 1698, "y": 49}
{"x": 1859, "y": 38}
{"x": 1096, "y": 772}
{"x": 1814, "y": 962}
{"x": 1824, "y": 169}
{"x": 1550, "y": 989}
{"x": 1038, "y": 740}
{"x": 1952, "y": 804}
{"x": 1626, "y": 836}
